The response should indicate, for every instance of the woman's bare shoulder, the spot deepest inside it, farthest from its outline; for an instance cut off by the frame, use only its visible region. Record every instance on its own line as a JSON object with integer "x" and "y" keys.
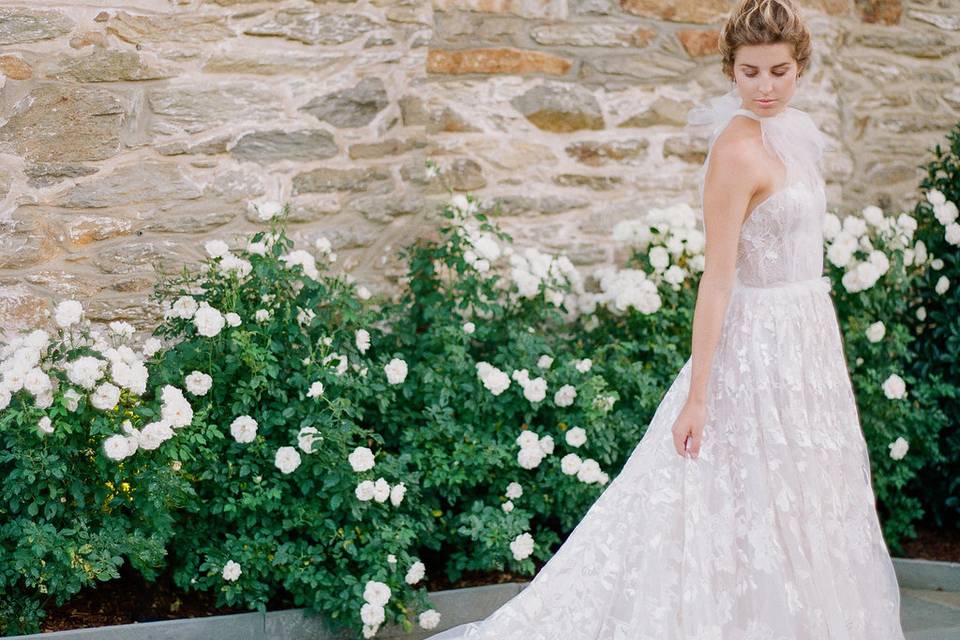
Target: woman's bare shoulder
{"x": 739, "y": 147}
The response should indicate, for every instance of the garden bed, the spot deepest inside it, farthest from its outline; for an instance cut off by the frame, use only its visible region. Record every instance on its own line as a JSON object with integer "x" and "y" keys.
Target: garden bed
{"x": 131, "y": 599}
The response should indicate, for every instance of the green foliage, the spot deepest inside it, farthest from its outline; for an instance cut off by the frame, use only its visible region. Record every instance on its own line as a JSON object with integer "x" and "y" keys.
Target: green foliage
{"x": 934, "y": 318}
{"x": 69, "y": 516}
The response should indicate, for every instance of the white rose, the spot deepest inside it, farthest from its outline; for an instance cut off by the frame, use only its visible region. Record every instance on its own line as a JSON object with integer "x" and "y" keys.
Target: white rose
{"x": 935, "y": 197}
{"x": 873, "y": 214}
{"x": 287, "y": 459}
{"x": 943, "y": 283}
{"x": 198, "y": 383}
{"x": 415, "y": 573}
{"x": 514, "y": 490}
{"x": 396, "y": 371}
{"x": 316, "y": 390}
{"x": 216, "y": 248}
{"x": 372, "y": 614}
{"x": 898, "y": 448}
{"x": 208, "y": 321}
{"x": 952, "y": 233}
{"x": 361, "y": 459}
{"x": 105, "y": 397}
{"x": 232, "y": 319}
{"x": 376, "y": 592}
{"x": 363, "y": 293}
{"x": 544, "y": 361}
{"x": 307, "y": 437}
{"x": 268, "y": 210}
{"x": 364, "y": 491}
{"x": 535, "y": 390}
{"x": 469, "y": 327}
{"x": 894, "y": 387}
{"x": 151, "y": 346}
{"x": 231, "y": 571}
{"x": 45, "y": 425}
{"x": 530, "y": 457}
{"x": 659, "y": 258}
{"x": 576, "y": 437}
{"x": 921, "y": 313}
{"x": 396, "y": 493}
{"x": 565, "y": 396}
{"x": 184, "y": 307}
{"x": 381, "y": 490}
{"x": 244, "y": 429}
{"x": 362, "y": 340}
{"x": 71, "y": 399}
{"x": 117, "y": 447}
{"x": 522, "y": 546}
{"x": 68, "y": 313}
{"x": 584, "y": 365}
{"x": 429, "y": 619}
{"x": 507, "y": 506}
{"x": 570, "y": 464}
{"x": 831, "y": 226}
{"x": 876, "y": 331}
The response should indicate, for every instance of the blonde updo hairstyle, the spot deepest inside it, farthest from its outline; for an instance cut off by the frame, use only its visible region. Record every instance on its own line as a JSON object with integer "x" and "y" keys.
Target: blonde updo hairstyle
{"x": 765, "y": 22}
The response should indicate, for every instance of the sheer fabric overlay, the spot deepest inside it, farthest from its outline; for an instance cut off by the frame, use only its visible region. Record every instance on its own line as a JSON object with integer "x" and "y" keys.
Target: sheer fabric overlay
{"x": 772, "y": 533}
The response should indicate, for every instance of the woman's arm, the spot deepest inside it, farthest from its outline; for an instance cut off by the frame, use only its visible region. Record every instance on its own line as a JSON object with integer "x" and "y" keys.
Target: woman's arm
{"x": 732, "y": 178}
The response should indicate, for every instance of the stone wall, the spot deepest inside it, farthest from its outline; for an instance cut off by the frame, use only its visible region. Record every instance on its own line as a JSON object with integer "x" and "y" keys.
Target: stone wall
{"x": 131, "y": 133}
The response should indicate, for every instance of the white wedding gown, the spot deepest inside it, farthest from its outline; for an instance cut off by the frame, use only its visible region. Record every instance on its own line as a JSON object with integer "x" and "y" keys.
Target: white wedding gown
{"x": 772, "y": 534}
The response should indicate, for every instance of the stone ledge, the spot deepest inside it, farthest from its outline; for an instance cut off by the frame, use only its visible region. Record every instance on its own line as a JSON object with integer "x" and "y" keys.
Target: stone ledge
{"x": 457, "y": 606}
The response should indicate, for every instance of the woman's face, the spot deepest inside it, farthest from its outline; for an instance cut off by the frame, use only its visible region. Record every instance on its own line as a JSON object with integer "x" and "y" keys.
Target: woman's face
{"x": 766, "y": 76}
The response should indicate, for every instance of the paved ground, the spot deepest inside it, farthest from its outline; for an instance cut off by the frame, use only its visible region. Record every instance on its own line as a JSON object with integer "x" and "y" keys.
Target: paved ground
{"x": 930, "y": 615}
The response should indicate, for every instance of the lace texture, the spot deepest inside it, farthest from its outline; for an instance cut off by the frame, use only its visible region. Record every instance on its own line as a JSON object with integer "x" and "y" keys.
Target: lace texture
{"x": 772, "y": 533}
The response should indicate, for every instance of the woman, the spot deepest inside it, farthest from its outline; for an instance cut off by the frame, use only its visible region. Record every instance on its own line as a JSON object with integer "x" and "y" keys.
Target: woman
{"x": 746, "y": 511}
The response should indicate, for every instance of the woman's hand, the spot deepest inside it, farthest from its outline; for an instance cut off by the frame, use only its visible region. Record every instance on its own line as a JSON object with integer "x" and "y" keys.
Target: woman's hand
{"x": 689, "y": 424}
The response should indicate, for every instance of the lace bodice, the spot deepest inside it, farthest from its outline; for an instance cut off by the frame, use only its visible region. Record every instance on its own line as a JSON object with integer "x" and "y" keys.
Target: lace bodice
{"x": 781, "y": 240}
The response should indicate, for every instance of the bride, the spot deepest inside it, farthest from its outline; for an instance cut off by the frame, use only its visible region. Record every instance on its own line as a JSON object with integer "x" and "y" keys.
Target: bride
{"x": 746, "y": 511}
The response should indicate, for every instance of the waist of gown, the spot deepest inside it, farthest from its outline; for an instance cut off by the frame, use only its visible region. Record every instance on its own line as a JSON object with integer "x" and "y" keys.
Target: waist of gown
{"x": 820, "y": 283}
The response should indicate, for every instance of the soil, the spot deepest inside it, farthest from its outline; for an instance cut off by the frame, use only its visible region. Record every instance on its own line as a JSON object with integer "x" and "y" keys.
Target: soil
{"x": 132, "y": 599}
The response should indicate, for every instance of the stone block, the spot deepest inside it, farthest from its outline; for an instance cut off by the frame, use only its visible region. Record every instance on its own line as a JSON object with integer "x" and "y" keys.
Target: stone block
{"x": 64, "y": 123}
{"x": 356, "y": 106}
{"x": 275, "y": 145}
{"x": 495, "y": 61}
{"x": 313, "y": 27}
{"x": 20, "y": 24}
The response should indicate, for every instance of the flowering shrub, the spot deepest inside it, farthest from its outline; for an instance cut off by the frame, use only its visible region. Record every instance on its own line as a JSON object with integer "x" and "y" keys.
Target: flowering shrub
{"x": 291, "y": 495}
{"x": 877, "y": 260}
{"x": 933, "y": 312}
{"x": 78, "y": 499}
{"x": 500, "y": 406}
{"x": 283, "y": 435}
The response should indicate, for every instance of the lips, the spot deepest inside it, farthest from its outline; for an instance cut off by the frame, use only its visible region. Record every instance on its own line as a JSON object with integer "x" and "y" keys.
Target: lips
{"x": 766, "y": 102}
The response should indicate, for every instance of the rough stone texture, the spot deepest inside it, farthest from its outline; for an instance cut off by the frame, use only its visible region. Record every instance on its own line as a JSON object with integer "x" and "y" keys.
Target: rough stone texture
{"x": 699, "y": 11}
{"x": 593, "y": 35}
{"x": 560, "y": 108}
{"x": 108, "y": 66}
{"x": 495, "y": 61}
{"x": 883, "y": 11}
{"x": 313, "y": 27}
{"x": 165, "y": 30}
{"x": 20, "y": 24}
{"x": 277, "y": 145}
{"x": 699, "y": 43}
{"x": 523, "y": 8}
{"x": 353, "y": 107}
{"x": 143, "y": 182}
{"x": 198, "y": 107}
{"x": 130, "y": 133}
{"x": 15, "y": 68}
{"x": 326, "y": 180}
{"x": 63, "y": 123}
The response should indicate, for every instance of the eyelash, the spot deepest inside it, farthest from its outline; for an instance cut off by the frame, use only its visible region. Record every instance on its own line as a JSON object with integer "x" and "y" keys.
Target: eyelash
{"x": 779, "y": 75}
